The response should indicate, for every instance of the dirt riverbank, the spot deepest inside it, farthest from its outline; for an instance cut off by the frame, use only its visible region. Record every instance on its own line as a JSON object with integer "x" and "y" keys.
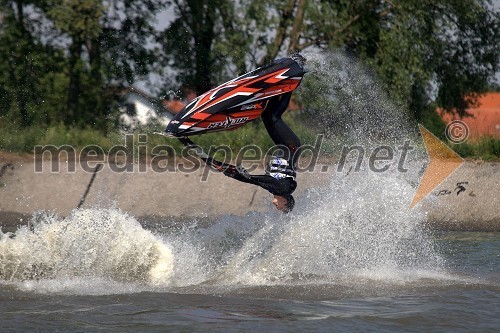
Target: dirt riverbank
{"x": 24, "y": 191}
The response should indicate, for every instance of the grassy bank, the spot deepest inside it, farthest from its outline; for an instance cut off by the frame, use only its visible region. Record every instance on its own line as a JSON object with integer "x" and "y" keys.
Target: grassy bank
{"x": 486, "y": 148}
{"x": 19, "y": 140}
{"x": 16, "y": 140}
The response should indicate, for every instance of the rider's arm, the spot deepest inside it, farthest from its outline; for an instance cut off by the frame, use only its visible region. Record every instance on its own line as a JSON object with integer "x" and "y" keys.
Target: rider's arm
{"x": 267, "y": 182}
{"x": 229, "y": 170}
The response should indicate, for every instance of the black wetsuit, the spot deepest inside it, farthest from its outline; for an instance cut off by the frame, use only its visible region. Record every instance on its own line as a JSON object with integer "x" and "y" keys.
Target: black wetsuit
{"x": 281, "y": 135}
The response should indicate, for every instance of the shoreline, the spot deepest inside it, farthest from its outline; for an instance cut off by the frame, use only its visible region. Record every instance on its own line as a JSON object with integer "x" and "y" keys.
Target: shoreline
{"x": 11, "y": 221}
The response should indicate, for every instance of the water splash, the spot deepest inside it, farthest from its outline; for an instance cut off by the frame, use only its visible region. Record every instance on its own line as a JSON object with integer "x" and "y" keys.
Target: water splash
{"x": 93, "y": 243}
{"x": 357, "y": 227}
{"x": 360, "y": 224}
{"x": 347, "y": 99}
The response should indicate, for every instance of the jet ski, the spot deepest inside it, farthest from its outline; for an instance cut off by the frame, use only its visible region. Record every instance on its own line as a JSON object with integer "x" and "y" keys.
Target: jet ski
{"x": 236, "y": 102}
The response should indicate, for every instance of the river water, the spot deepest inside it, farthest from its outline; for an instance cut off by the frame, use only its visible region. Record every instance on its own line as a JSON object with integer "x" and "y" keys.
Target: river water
{"x": 344, "y": 263}
{"x": 463, "y": 297}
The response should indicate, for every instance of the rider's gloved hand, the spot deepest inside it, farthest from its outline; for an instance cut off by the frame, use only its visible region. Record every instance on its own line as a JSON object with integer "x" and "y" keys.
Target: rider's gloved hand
{"x": 242, "y": 172}
{"x": 230, "y": 171}
{"x": 226, "y": 169}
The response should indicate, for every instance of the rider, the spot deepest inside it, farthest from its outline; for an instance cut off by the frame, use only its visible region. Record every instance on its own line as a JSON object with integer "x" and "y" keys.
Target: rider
{"x": 279, "y": 178}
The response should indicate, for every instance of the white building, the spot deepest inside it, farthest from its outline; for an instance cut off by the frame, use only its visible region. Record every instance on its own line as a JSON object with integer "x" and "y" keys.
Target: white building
{"x": 138, "y": 108}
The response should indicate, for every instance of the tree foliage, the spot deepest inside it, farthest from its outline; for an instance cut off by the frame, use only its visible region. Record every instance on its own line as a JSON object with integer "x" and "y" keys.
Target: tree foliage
{"x": 449, "y": 44}
{"x": 59, "y": 59}
{"x": 203, "y": 42}
{"x": 419, "y": 48}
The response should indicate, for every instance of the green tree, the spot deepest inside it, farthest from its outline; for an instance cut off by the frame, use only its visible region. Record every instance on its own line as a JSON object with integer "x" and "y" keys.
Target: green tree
{"x": 109, "y": 45}
{"x": 279, "y": 27}
{"x": 80, "y": 21}
{"x": 60, "y": 57}
{"x": 273, "y": 26}
{"x": 419, "y": 48}
{"x": 24, "y": 62}
{"x": 448, "y": 46}
{"x": 202, "y": 41}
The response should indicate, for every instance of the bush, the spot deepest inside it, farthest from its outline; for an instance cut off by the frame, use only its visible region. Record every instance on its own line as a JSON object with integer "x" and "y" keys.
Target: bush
{"x": 486, "y": 148}
{"x": 15, "y": 139}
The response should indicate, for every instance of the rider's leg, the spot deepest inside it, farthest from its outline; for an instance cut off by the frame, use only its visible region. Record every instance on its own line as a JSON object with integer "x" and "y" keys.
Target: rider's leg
{"x": 278, "y": 130}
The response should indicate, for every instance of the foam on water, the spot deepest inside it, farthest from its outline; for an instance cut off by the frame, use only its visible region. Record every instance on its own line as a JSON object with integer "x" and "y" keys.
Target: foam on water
{"x": 91, "y": 244}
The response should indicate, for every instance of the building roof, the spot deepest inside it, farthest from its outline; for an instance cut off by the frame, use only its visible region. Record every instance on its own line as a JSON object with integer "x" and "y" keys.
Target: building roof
{"x": 174, "y": 105}
{"x": 158, "y": 104}
{"x": 485, "y": 119}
